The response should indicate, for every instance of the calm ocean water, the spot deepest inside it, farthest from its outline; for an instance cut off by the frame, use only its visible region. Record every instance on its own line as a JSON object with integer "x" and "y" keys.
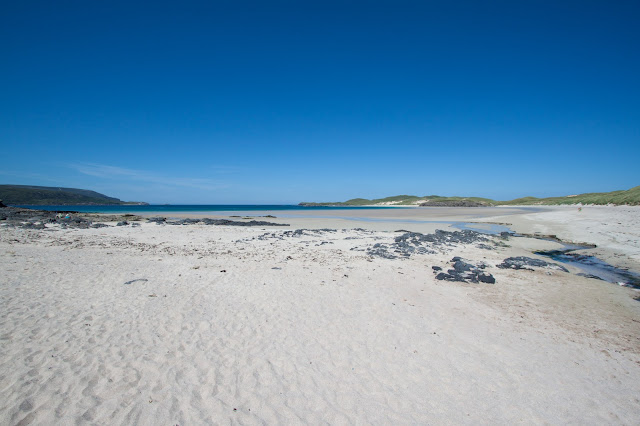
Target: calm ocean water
{"x": 195, "y": 208}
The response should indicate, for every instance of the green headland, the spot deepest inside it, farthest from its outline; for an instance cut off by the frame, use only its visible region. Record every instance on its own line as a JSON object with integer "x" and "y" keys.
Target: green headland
{"x": 25, "y": 195}
{"x": 622, "y": 197}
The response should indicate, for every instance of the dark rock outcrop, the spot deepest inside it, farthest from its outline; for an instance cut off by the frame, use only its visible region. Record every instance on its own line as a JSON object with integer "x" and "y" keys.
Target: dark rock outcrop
{"x": 523, "y": 262}
{"x": 381, "y": 250}
{"x": 207, "y": 221}
{"x": 297, "y": 233}
{"x": 157, "y": 220}
{"x": 594, "y": 277}
{"x": 410, "y": 243}
{"x": 39, "y": 219}
{"x": 464, "y": 272}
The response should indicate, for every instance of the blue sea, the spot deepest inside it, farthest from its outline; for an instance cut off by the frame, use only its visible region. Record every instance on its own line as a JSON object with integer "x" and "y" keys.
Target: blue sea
{"x": 195, "y": 208}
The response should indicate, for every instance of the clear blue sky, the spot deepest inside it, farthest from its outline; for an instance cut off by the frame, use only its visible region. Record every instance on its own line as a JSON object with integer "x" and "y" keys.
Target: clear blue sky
{"x": 282, "y": 102}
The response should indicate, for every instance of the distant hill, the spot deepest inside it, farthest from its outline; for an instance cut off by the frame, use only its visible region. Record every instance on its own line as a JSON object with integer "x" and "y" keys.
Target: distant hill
{"x": 45, "y": 195}
{"x": 628, "y": 197}
{"x": 410, "y": 200}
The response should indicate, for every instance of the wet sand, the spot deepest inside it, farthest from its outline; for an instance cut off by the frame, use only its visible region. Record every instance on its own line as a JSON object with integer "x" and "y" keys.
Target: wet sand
{"x": 417, "y": 219}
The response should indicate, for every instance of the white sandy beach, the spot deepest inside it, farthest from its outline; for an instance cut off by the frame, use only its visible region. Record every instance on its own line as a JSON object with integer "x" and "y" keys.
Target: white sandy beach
{"x": 162, "y": 324}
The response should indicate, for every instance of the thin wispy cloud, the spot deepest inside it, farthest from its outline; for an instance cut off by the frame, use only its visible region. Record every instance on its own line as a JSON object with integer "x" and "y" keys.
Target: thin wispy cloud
{"x": 105, "y": 171}
{"x": 223, "y": 169}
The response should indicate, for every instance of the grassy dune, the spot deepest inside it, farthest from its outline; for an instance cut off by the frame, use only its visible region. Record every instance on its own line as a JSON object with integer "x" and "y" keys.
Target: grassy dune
{"x": 628, "y": 197}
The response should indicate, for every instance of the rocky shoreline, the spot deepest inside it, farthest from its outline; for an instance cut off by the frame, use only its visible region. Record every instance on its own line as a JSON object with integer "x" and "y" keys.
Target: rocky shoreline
{"x": 403, "y": 246}
{"x": 39, "y": 219}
